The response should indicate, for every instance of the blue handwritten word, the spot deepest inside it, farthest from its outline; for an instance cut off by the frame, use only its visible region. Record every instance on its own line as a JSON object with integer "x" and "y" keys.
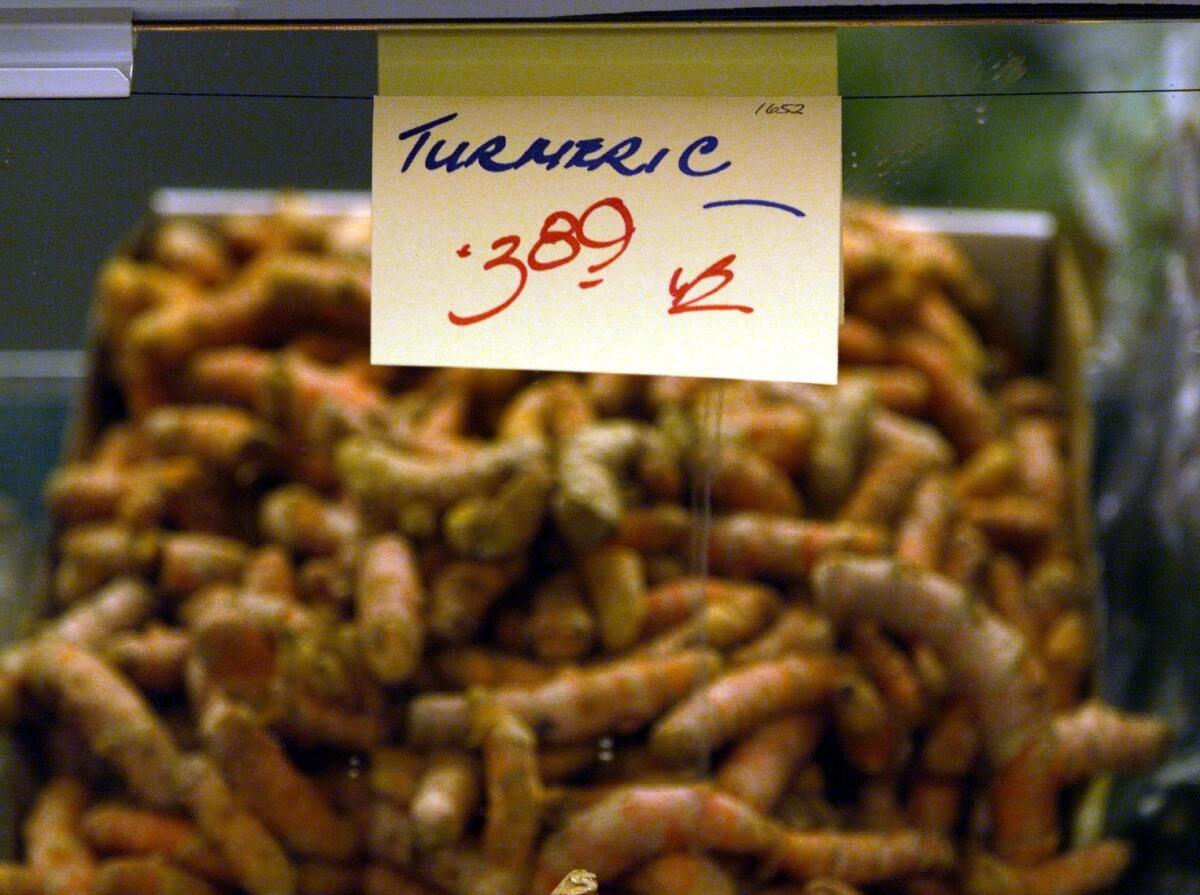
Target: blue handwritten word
{"x": 766, "y": 203}
{"x": 588, "y": 153}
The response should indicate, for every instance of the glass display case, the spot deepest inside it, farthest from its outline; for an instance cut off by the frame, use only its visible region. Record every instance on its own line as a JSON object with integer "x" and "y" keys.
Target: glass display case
{"x": 281, "y": 620}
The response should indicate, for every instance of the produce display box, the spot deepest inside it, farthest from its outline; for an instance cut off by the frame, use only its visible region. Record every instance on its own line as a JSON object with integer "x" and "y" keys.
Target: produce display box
{"x": 1036, "y": 283}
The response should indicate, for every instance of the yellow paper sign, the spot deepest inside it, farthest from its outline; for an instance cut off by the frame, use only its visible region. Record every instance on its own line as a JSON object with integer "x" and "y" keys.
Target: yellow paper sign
{"x": 667, "y": 235}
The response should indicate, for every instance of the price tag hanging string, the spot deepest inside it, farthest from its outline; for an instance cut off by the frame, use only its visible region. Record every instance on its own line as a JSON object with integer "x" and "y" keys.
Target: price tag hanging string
{"x": 704, "y": 471}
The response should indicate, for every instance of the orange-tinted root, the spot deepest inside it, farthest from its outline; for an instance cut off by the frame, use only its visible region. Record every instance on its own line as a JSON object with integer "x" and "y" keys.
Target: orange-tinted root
{"x": 553, "y": 407}
{"x": 884, "y": 488}
{"x": 1079, "y": 872}
{"x": 923, "y": 528}
{"x": 747, "y": 545}
{"x": 319, "y": 878}
{"x": 779, "y": 433}
{"x": 988, "y": 472}
{"x": 390, "y": 602}
{"x": 891, "y": 670}
{"x": 1029, "y": 396}
{"x": 1095, "y": 738}
{"x": 741, "y": 700}
{"x": 54, "y": 845}
{"x": 446, "y": 797}
{"x": 379, "y": 879}
{"x": 224, "y": 438}
{"x": 615, "y": 580}
{"x": 901, "y": 389}
{"x": 115, "y": 720}
{"x": 121, "y": 604}
{"x": 839, "y": 444}
{"x": 301, "y": 520}
{"x": 115, "y": 828}
{"x": 254, "y": 856}
{"x": 147, "y": 876}
{"x": 463, "y": 592}
{"x": 638, "y": 823}
{"x": 477, "y": 666}
{"x": 657, "y": 528}
{"x": 191, "y": 561}
{"x": 862, "y": 858}
{"x": 743, "y": 479}
{"x": 965, "y": 412}
{"x": 798, "y": 629}
{"x": 575, "y": 705}
{"x": 760, "y": 767}
{"x": 952, "y": 743}
{"x": 17, "y": 879}
{"x": 682, "y": 874}
{"x": 561, "y": 625}
{"x": 934, "y": 805}
{"x": 1013, "y": 520}
{"x": 860, "y": 342}
{"x": 511, "y": 784}
{"x": 265, "y": 779}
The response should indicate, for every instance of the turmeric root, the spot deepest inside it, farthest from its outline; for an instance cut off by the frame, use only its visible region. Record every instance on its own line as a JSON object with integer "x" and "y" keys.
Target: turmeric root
{"x": 741, "y": 700}
{"x": 958, "y": 403}
{"x": 54, "y": 846}
{"x": 891, "y": 670}
{"x": 474, "y": 666}
{"x": 114, "y": 828}
{"x": 190, "y": 561}
{"x": 255, "y": 858}
{"x": 575, "y": 705}
{"x": 121, "y": 604}
{"x": 733, "y": 613}
{"x": 1095, "y": 738}
{"x": 883, "y": 489}
{"x": 95, "y": 554}
{"x": 988, "y": 472}
{"x": 779, "y": 433}
{"x": 990, "y": 663}
{"x": 616, "y": 586}
{"x": 587, "y": 503}
{"x": 796, "y": 630}
{"x": 461, "y": 594}
{"x": 446, "y": 797}
{"x": 390, "y": 604}
{"x": 839, "y": 444}
{"x": 301, "y": 520}
{"x": 639, "y": 823}
{"x": 862, "y": 858}
{"x": 760, "y": 767}
{"x": 752, "y": 545}
{"x": 16, "y": 879}
{"x": 1085, "y": 870}
{"x": 225, "y": 438}
{"x": 663, "y": 527}
{"x": 860, "y": 342}
{"x": 503, "y": 525}
{"x": 264, "y": 778}
{"x": 388, "y": 479}
{"x": 561, "y": 626}
{"x": 555, "y": 407}
{"x": 147, "y": 876}
{"x": 113, "y": 717}
{"x": 745, "y": 480}
{"x": 682, "y": 873}
{"x": 513, "y": 792}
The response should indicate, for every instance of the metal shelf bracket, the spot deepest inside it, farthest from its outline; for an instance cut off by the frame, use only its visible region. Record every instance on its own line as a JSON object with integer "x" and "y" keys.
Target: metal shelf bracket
{"x": 65, "y": 52}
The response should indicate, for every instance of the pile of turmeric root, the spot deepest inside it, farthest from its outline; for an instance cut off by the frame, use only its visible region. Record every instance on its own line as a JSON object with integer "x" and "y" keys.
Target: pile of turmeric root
{"x": 322, "y": 627}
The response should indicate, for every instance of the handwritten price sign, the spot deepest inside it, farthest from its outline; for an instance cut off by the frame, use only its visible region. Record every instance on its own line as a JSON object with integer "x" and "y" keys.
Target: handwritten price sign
{"x": 680, "y": 236}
